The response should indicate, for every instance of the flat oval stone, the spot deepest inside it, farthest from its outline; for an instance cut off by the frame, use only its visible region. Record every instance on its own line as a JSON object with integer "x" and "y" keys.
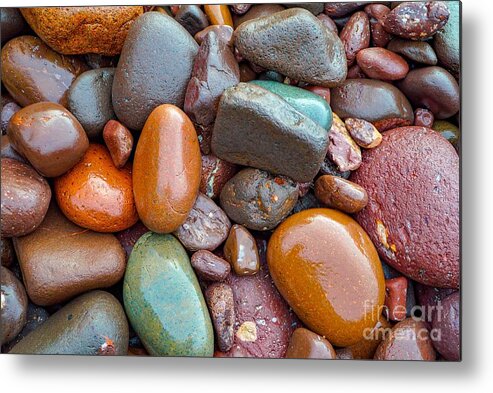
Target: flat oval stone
{"x": 296, "y": 44}
{"x": 89, "y": 100}
{"x": 13, "y": 306}
{"x": 49, "y": 136}
{"x": 446, "y": 326}
{"x": 144, "y": 78}
{"x": 32, "y": 72}
{"x": 370, "y": 100}
{"x": 406, "y": 214}
{"x": 163, "y": 299}
{"x": 79, "y": 30}
{"x": 304, "y": 101}
{"x": 381, "y": 63}
{"x": 257, "y": 128}
{"x": 25, "y": 198}
{"x": 341, "y": 194}
{"x": 408, "y": 340}
{"x": 166, "y": 171}
{"x": 206, "y": 227}
{"x": 264, "y": 322}
{"x": 305, "y": 344}
{"x": 447, "y": 41}
{"x": 355, "y": 35}
{"x": 433, "y": 88}
{"x": 257, "y": 199}
{"x": 327, "y": 269}
{"x": 418, "y": 51}
{"x": 90, "y": 260}
{"x": 214, "y": 70}
{"x": 92, "y": 324}
{"x": 427, "y": 18}
{"x": 96, "y": 195}
{"x": 12, "y": 23}
{"x": 209, "y": 266}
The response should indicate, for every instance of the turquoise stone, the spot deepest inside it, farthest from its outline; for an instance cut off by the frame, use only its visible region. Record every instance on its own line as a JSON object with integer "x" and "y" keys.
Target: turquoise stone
{"x": 304, "y": 101}
{"x": 163, "y": 300}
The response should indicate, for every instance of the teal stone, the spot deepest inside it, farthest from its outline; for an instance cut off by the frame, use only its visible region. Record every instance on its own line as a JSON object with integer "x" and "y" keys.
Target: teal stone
{"x": 304, "y": 101}
{"x": 163, "y": 300}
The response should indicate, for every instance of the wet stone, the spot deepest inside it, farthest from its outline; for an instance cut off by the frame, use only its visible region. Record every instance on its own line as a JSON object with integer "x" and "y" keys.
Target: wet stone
{"x": 395, "y": 298}
{"x": 206, "y": 226}
{"x": 209, "y": 266}
{"x": 257, "y": 199}
{"x": 417, "y": 51}
{"x": 214, "y": 70}
{"x": 270, "y": 123}
{"x": 119, "y": 141}
{"x": 340, "y": 194}
{"x": 89, "y": 100}
{"x": 303, "y": 48}
{"x": 343, "y": 151}
{"x": 192, "y": 18}
{"x": 219, "y": 297}
{"x": 240, "y": 250}
{"x": 363, "y": 133}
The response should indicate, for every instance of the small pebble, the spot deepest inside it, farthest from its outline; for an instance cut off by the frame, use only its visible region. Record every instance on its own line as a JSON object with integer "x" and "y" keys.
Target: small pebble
{"x": 363, "y": 133}
{"x": 240, "y": 250}
{"x": 119, "y": 141}
{"x": 209, "y": 266}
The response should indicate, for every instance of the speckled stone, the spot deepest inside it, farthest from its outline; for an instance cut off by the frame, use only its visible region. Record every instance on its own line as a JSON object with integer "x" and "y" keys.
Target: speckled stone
{"x": 92, "y": 324}
{"x": 80, "y": 30}
{"x": 163, "y": 299}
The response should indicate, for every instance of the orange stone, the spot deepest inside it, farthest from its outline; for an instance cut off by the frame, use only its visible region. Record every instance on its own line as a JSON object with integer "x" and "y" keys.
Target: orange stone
{"x": 96, "y": 195}
{"x": 328, "y": 270}
{"x": 218, "y": 14}
{"x": 167, "y": 168}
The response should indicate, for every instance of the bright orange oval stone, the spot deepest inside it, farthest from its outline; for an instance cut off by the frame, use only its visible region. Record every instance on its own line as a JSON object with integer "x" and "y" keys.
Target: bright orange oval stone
{"x": 94, "y": 194}
{"x": 328, "y": 270}
{"x": 167, "y": 168}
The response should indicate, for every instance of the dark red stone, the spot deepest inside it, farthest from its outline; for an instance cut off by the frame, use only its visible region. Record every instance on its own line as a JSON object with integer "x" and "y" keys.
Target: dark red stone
{"x": 412, "y": 216}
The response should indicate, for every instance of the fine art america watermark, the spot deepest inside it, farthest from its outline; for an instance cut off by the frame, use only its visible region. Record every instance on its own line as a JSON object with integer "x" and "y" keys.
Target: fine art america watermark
{"x": 418, "y": 313}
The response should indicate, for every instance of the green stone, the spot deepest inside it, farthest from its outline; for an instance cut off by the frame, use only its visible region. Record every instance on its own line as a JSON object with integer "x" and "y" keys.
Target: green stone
{"x": 304, "y": 101}
{"x": 92, "y": 324}
{"x": 163, "y": 300}
{"x": 448, "y": 130}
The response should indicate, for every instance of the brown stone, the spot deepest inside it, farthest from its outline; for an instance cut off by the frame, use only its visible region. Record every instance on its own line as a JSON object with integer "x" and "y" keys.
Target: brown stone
{"x": 7, "y": 250}
{"x": 219, "y": 297}
{"x": 408, "y": 340}
{"x": 166, "y": 169}
{"x": 209, "y": 266}
{"x": 32, "y": 72}
{"x": 328, "y": 270}
{"x": 412, "y": 181}
{"x": 95, "y": 194}
{"x": 119, "y": 141}
{"x": 215, "y": 174}
{"x": 416, "y": 20}
{"x": 343, "y": 151}
{"x": 13, "y": 308}
{"x": 61, "y": 260}
{"x": 395, "y": 298}
{"x": 240, "y": 250}
{"x": 423, "y": 118}
{"x": 219, "y": 14}
{"x": 380, "y": 63}
{"x": 355, "y": 35}
{"x": 206, "y": 227}
{"x": 341, "y": 194}
{"x": 363, "y": 133}
{"x": 305, "y": 344}
{"x": 379, "y": 37}
{"x": 25, "y": 198}
{"x": 49, "y": 136}
{"x": 79, "y": 30}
